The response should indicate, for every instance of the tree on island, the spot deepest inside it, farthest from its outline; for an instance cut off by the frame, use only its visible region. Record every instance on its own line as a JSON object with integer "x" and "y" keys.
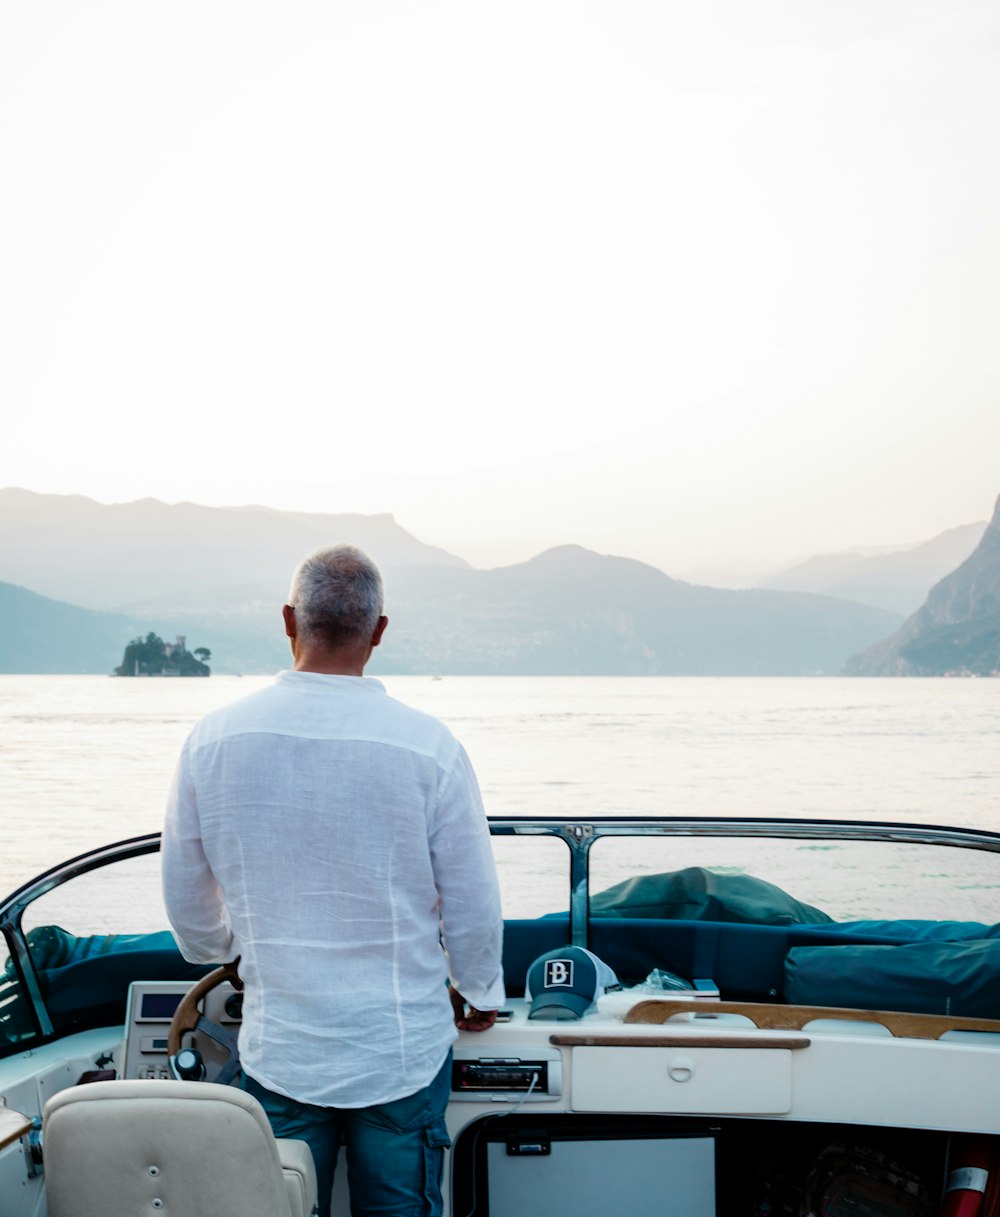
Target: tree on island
{"x": 151, "y": 656}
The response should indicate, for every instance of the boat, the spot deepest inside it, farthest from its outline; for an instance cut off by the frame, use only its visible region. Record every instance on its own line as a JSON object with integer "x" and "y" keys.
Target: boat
{"x": 805, "y": 1019}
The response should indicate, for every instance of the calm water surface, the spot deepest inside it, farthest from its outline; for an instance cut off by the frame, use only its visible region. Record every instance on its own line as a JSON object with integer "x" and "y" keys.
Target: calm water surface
{"x": 85, "y": 760}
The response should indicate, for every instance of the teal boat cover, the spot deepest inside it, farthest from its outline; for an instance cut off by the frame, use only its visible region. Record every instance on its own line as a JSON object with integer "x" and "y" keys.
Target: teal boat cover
{"x": 930, "y": 977}
{"x": 699, "y": 894}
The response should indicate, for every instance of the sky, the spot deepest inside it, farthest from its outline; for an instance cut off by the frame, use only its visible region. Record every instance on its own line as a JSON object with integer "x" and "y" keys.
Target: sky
{"x": 698, "y": 284}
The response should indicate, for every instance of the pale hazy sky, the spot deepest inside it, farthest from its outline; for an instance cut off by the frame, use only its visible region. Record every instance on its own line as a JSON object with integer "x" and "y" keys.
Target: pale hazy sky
{"x": 689, "y": 282}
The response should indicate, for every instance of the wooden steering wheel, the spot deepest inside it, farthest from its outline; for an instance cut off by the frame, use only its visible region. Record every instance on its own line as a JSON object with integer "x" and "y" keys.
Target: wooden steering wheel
{"x": 187, "y": 1017}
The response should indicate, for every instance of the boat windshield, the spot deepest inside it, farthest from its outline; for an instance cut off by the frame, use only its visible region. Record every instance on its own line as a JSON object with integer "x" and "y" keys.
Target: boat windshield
{"x": 646, "y": 893}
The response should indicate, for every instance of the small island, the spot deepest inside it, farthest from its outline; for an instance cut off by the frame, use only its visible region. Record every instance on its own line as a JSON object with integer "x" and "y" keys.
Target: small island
{"x": 151, "y": 656}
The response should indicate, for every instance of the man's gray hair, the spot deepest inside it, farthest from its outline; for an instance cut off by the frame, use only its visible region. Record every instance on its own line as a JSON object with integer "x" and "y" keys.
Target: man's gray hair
{"x": 337, "y": 594}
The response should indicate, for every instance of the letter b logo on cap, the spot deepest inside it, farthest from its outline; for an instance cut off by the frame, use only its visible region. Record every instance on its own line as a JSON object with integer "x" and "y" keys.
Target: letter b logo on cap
{"x": 565, "y": 982}
{"x": 558, "y": 972}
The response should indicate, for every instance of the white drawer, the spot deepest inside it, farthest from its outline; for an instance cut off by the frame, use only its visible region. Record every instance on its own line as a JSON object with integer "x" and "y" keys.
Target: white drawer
{"x": 726, "y": 1081}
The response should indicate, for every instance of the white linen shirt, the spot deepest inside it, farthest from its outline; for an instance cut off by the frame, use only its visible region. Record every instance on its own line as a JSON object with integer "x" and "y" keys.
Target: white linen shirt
{"x": 334, "y": 839}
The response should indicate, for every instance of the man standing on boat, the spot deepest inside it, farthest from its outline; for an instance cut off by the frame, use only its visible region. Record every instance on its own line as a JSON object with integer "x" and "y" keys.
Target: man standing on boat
{"x": 334, "y": 839}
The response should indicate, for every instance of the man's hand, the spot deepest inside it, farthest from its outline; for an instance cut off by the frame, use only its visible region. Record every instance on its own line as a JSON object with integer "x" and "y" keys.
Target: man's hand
{"x": 468, "y": 1018}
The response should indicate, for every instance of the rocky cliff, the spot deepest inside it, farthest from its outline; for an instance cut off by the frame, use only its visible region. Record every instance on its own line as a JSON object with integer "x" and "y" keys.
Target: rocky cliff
{"x": 957, "y": 629}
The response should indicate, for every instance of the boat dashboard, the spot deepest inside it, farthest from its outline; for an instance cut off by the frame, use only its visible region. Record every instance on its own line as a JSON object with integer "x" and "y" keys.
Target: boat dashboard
{"x": 602, "y": 1110}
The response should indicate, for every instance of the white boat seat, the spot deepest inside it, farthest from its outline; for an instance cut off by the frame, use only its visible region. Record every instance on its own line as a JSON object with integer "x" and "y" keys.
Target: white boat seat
{"x": 180, "y": 1149}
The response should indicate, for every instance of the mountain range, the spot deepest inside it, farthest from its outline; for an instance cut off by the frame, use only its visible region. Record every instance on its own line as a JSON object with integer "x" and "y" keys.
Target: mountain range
{"x": 219, "y": 576}
{"x": 113, "y": 556}
{"x": 571, "y": 611}
{"x": 49, "y": 636}
{"x": 957, "y": 629}
{"x": 897, "y": 579}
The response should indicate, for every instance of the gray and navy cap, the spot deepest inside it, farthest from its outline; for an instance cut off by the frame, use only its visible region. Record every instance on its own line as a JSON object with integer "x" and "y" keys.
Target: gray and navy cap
{"x": 566, "y": 982}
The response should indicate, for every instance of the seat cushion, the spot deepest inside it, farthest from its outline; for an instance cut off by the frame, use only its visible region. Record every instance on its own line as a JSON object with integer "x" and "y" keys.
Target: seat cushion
{"x": 187, "y": 1148}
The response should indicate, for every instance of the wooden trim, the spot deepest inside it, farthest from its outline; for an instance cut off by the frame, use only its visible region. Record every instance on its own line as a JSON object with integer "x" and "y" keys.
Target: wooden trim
{"x": 794, "y": 1018}
{"x": 678, "y": 1041}
{"x": 13, "y": 1125}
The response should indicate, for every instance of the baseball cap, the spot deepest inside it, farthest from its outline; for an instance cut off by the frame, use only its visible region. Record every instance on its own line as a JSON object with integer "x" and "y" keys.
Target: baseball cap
{"x": 566, "y": 982}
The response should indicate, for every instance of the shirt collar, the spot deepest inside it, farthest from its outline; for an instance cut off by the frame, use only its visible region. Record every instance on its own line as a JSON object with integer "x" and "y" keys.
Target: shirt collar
{"x": 320, "y": 680}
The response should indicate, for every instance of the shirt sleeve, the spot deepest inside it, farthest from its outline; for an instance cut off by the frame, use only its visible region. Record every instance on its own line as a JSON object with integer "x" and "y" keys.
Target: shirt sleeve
{"x": 468, "y": 889}
{"x": 191, "y": 893}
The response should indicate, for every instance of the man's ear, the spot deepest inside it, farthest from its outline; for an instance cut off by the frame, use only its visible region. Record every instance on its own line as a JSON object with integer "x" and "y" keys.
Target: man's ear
{"x": 288, "y": 613}
{"x": 379, "y": 630}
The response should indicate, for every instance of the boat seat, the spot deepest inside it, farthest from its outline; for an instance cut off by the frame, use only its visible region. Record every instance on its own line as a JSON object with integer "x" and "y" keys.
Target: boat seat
{"x": 139, "y": 1148}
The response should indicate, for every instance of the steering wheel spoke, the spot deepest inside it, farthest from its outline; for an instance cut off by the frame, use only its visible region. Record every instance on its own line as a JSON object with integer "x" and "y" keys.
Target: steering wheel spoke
{"x": 226, "y": 1039}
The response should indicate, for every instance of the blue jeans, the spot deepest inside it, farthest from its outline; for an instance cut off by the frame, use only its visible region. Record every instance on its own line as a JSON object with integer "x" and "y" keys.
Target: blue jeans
{"x": 395, "y": 1151}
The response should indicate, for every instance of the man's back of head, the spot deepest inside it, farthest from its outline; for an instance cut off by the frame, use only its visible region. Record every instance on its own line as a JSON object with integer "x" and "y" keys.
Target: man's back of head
{"x": 337, "y": 596}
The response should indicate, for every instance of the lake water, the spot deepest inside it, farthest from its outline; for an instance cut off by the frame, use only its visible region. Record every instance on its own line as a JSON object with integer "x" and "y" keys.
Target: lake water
{"x": 85, "y": 760}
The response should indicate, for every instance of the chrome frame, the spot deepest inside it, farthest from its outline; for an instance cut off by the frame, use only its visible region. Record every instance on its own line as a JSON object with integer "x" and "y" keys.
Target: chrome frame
{"x": 581, "y": 835}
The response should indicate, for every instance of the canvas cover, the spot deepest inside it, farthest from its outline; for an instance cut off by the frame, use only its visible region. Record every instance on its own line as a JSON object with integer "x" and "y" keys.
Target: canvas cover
{"x": 699, "y": 894}
{"x": 959, "y": 978}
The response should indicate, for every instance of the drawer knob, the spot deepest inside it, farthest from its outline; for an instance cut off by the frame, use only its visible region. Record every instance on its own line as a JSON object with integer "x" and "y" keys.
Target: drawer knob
{"x": 681, "y": 1069}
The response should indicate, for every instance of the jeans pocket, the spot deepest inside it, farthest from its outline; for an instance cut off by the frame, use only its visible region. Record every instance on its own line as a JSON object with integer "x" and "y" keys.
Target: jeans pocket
{"x": 436, "y": 1141}
{"x": 401, "y": 1115}
{"x": 425, "y": 1108}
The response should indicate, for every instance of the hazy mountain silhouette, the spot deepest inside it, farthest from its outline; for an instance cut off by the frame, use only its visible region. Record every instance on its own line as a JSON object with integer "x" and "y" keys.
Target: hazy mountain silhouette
{"x": 110, "y": 557}
{"x": 220, "y": 575}
{"x": 957, "y": 629}
{"x": 566, "y": 612}
{"x": 898, "y": 580}
{"x": 43, "y": 635}
{"x": 571, "y": 611}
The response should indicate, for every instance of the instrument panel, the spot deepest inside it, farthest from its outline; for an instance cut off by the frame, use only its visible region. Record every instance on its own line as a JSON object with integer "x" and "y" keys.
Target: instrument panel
{"x": 151, "y": 1006}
